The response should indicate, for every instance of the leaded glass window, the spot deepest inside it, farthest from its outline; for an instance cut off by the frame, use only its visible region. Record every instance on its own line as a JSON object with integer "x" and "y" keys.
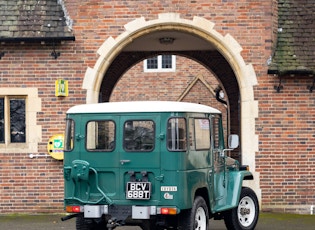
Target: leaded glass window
{"x": 1, "y": 120}
{"x": 12, "y": 120}
{"x": 17, "y": 120}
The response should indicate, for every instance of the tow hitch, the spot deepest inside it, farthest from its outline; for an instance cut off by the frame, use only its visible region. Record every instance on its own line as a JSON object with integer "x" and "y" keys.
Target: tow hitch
{"x": 112, "y": 224}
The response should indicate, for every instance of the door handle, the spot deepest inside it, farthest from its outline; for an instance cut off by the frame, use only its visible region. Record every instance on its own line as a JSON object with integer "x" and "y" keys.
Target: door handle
{"x": 79, "y": 136}
{"x": 122, "y": 162}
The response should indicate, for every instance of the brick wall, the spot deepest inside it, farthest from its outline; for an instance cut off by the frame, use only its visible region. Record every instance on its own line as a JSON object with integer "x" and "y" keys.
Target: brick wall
{"x": 286, "y": 145}
{"x": 285, "y": 124}
{"x": 36, "y": 185}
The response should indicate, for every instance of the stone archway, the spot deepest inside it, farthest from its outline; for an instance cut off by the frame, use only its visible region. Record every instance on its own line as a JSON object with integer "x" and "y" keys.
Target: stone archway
{"x": 226, "y": 45}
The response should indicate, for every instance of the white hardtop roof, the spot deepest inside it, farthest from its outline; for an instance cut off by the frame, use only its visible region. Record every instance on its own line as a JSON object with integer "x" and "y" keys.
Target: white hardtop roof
{"x": 142, "y": 106}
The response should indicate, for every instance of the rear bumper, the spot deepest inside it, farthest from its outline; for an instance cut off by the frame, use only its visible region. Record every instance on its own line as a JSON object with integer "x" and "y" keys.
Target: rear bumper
{"x": 135, "y": 212}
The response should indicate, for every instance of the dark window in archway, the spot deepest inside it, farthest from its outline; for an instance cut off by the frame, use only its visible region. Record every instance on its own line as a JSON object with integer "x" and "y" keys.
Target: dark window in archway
{"x": 167, "y": 62}
{"x": 152, "y": 63}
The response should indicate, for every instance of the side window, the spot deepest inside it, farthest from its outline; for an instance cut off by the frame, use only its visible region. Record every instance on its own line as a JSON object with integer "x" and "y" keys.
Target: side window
{"x": 100, "y": 135}
{"x": 69, "y": 135}
{"x": 202, "y": 133}
{"x": 216, "y": 132}
{"x": 12, "y": 120}
{"x": 176, "y": 134}
{"x": 139, "y": 135}
{"x": 192, "y": 142}
{"x": 218, "y": 160}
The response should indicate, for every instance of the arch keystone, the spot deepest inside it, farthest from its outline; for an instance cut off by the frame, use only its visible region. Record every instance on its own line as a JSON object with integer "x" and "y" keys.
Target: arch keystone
{"x": 169, "y": 17}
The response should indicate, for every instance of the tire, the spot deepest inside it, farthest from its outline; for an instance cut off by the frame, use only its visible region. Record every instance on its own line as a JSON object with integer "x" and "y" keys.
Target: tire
{"x": 196, "y": 218}
{"x": 245, "y": 215}
{"x": 89, "y": 224}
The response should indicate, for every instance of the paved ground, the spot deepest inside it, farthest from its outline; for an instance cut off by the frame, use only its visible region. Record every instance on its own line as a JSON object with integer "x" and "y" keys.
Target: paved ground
{"x": 267, "y": 221}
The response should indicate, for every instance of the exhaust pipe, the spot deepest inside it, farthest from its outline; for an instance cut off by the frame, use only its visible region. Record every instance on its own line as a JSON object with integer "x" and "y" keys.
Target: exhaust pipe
{"x": 69, "y": 217}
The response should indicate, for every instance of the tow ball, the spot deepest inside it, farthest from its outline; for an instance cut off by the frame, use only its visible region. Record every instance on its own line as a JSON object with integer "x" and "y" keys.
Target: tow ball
{"x": 112, "y": 224}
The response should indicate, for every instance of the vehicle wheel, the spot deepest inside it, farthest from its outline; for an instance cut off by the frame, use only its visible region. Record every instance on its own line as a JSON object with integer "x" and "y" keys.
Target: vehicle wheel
{"x": 89, "y": 224}
{"x": 245, "y": 215}
{"x": 196, "y": 218}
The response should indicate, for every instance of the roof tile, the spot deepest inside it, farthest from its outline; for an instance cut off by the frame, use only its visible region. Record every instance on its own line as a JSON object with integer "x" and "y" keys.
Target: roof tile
{"x": 295, "y": 50}
{"x": 33, "y": 19}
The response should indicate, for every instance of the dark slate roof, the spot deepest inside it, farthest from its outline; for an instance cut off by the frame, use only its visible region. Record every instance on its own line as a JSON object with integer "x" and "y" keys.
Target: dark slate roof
{"x": 295, "y": 48}
{"x": 34, "y": 20}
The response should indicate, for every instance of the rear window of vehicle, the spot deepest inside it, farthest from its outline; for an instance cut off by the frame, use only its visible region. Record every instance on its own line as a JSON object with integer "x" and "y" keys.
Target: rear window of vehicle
{"x": 100, "y": 135}
{"x": 139, "y": 135}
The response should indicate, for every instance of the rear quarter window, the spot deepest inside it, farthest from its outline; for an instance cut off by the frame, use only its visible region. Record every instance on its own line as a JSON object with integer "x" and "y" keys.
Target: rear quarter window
{"x": 176, "y": 134}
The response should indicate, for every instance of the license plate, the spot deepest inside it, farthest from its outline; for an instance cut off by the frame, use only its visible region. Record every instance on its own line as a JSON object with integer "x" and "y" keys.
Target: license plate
{"x": 138, "y": 190}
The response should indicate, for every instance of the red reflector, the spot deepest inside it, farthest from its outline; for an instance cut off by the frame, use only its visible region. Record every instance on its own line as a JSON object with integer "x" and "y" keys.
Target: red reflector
{"x": 164, "y": 211}
{"x": 73, "y": 209}
{"x": 76, "y": 208}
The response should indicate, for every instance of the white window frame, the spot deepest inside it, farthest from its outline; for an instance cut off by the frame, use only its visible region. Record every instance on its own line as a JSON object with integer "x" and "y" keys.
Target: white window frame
{"x": 159, "y": 68}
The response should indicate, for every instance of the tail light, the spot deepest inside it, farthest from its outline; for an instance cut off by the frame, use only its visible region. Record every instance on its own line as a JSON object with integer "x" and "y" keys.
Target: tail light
{"x": 168, "y": 211}
{"x": 74, "y": 209}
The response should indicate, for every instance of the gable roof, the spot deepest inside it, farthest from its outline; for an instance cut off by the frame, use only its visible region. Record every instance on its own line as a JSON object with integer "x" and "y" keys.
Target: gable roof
{"x": 295, "y": 49}
{"x": 34, "y": 20}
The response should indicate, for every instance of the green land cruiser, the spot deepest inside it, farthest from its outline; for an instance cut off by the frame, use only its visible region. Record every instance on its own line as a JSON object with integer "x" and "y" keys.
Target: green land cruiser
{"x": 154, "y": 164}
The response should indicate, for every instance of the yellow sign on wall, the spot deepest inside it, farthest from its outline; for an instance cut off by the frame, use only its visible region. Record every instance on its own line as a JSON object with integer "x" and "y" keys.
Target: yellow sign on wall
{"x": 55, "y": 146}
{"x": 61, "y": 88}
